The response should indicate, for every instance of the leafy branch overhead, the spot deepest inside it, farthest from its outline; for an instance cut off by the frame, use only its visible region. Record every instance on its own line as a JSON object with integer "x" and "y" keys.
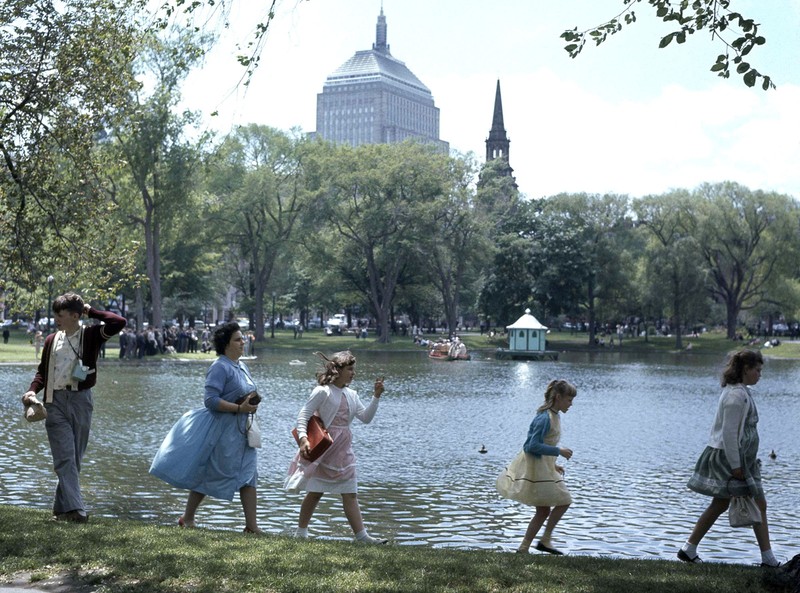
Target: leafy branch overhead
{"x": 738, "y": 34}
{"x": 205, "y": 15}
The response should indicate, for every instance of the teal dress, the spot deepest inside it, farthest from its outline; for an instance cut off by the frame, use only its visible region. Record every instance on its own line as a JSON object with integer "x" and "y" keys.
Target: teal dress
{"x": 712, "y": 473}
{"x": 206, "y": 450}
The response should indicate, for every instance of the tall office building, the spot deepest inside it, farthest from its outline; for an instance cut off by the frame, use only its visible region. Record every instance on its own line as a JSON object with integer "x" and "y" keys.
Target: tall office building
{"x": 373, "y": 98}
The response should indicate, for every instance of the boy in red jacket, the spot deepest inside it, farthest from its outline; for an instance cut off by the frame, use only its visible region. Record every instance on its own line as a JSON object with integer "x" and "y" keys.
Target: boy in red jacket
{"x": 67, "y": 373}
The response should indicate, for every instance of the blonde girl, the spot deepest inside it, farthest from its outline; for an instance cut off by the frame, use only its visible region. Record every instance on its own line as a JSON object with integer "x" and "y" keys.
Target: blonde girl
{"x": 335, "y": 471}
{"x": 533, "y": 477}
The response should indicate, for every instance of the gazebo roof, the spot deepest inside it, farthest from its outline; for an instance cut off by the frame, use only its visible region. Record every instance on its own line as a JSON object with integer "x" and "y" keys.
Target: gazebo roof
{"x": 527, "y": 321}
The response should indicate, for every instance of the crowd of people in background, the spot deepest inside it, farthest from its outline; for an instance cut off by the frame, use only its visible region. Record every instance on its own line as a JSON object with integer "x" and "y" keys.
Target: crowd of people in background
{"x": 172, "y": 340}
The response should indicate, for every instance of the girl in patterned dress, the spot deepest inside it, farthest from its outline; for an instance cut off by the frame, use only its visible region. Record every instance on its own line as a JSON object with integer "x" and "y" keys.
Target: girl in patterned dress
{"x": 335, "y": 470}
{"x": 729, "y": 466}
{"x": 533, "y": 477}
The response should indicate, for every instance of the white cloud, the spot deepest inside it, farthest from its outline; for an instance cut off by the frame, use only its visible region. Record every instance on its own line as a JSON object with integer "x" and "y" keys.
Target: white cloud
{"x": 624, "y": 118}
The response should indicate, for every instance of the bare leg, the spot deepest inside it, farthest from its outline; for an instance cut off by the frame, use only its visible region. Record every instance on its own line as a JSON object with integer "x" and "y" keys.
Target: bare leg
{"x": 353, "y": 512}
{"x": 536, "y": 523}
{"x": 247, "y": 494}
{"x": 307, "y": 508}
{"x": 762, "y": 529}
{"x": 194, "y": 500}
{"x": 552, "y": 521}
{"x": 708, "y": 518}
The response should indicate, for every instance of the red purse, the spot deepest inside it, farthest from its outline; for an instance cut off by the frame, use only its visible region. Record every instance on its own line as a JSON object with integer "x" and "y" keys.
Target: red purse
{"x": 318, "y": 438}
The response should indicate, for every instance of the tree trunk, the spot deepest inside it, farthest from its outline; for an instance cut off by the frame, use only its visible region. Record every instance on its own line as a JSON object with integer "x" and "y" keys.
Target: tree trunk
{"x": 382, "y": 294}
{"x": 153, "y": 259}
{"x": 676, "y": 306}
{"x": 591, "y": 312}
{"x": 732, "y": 311}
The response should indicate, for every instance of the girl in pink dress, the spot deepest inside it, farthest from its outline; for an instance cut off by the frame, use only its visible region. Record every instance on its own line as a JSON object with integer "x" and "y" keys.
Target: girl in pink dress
{"x": 335, "y": 471}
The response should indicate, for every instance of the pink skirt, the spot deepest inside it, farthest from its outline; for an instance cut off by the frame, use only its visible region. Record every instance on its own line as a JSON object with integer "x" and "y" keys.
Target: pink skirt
{"x": 333, "y": 472}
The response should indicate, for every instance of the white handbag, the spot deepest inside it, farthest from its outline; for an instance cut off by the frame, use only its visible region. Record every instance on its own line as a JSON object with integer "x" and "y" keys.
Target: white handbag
{"x": 744, "y": 512}
{"x": 253, "y": 432}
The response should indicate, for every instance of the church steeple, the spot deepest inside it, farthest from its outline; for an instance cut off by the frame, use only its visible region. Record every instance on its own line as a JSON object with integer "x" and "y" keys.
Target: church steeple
{"x": 497, "y": 144}
{"x": 380, "y": 34}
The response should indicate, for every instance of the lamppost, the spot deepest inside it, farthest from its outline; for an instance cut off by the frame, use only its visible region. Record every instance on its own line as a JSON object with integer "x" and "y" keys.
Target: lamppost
{"x": 50, "y": 280}
{"x": 272, "y": 325}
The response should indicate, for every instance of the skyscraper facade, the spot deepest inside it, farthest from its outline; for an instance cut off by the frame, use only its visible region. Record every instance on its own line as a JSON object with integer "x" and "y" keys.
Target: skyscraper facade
{"x": 374, "y": 98}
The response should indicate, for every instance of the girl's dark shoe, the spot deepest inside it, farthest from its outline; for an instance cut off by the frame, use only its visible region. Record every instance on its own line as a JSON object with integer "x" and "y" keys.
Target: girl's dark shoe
{"x": 684, "y": 557}
{"x": 542, "y": 548}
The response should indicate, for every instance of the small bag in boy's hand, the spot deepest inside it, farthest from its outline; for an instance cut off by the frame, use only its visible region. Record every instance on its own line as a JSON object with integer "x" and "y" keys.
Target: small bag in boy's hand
{"x": 318, "y": 438}
{"x": 35, "y": 411}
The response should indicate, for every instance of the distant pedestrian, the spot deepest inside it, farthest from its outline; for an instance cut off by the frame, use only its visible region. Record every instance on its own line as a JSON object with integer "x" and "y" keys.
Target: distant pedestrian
{"x": 729, "y": 464}
{"x": 533, "y": 477}
{"x": 38, "y": 341}
{"x": 6, "y": 335}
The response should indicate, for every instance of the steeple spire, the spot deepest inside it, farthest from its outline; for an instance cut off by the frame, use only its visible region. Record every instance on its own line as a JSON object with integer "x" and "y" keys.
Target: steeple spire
{"x": 380, "y": 34}
{"x": 497, "y": 145}
{"x": 498, "y": 131}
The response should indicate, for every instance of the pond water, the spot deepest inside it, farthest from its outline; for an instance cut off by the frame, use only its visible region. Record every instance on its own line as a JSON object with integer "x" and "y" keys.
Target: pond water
{"x": 636, "y": 428}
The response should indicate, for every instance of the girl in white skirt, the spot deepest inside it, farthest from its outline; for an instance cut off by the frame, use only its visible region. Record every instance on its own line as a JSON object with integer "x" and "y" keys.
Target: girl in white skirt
{"x": 335, "y": 470}
{"x": 533, "y": 477}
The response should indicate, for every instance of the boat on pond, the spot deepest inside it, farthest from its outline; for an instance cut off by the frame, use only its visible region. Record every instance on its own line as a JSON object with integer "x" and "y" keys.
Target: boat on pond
{"x": 455, "y": 350}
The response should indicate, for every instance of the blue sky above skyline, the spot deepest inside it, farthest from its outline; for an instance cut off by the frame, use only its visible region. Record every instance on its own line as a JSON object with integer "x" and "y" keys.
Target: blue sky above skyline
{"x": 624, "y": 117}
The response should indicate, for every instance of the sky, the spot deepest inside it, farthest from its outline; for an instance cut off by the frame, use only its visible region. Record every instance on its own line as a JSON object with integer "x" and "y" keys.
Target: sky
{"x": 625, "y": 117}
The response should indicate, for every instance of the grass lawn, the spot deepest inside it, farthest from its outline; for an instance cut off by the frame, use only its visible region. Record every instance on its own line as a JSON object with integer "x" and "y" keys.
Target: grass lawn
{"x": 117, "y": 556}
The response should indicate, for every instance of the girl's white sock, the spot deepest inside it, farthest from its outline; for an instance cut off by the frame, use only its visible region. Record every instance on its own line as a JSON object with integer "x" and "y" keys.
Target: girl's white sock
{"x": 768, "y": 558}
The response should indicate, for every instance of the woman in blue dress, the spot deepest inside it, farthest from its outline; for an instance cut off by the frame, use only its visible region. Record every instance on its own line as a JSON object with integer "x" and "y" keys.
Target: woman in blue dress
{"x": 206, "y": 451}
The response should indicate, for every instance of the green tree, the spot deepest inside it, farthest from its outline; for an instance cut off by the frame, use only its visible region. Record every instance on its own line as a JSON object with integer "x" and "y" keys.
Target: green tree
{"x": 460, "y": 242}
{"x": 376, "y": 214}
{"x": 738, "y": 34}
{"x": 260, "y": 195}
{"x": 63, "y": 72}
{"x": 162, "y": 164}
{"x": 579, "y": 247}
{"x": 673, "y": 270}
{"x": 748, "y": 241}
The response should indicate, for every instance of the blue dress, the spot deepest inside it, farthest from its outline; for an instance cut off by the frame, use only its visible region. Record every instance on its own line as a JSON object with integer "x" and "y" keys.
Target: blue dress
{"x": 206, "y": 450}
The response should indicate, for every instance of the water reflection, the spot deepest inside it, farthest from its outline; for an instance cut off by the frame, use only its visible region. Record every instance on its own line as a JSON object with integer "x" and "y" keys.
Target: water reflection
{"x": 637, "y": 426}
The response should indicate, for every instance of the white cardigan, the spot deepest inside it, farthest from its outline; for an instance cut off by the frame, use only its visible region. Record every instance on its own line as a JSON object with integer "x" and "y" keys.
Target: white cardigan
{"x": 325, "y": 400}
{"x": 726, "y": 434}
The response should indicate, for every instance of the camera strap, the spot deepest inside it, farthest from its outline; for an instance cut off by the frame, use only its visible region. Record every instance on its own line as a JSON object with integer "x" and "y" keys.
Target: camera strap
{"x": 80, "y": 344}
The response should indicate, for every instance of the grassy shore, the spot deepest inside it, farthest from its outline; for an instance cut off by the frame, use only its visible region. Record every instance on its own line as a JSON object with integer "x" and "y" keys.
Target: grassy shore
{"x": 116, "y": 556}
{"x": 19, "y": 348}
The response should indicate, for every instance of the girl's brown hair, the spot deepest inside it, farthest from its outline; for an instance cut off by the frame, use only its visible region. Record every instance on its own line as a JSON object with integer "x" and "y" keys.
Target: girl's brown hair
{"x": 333, "y": 365}
{"x": 738, "y": 363}
{"x": 555, "y": 388}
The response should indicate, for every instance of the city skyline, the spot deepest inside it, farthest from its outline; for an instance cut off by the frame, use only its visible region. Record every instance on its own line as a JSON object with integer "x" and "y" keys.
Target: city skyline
{"x": 625, "y": 117}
